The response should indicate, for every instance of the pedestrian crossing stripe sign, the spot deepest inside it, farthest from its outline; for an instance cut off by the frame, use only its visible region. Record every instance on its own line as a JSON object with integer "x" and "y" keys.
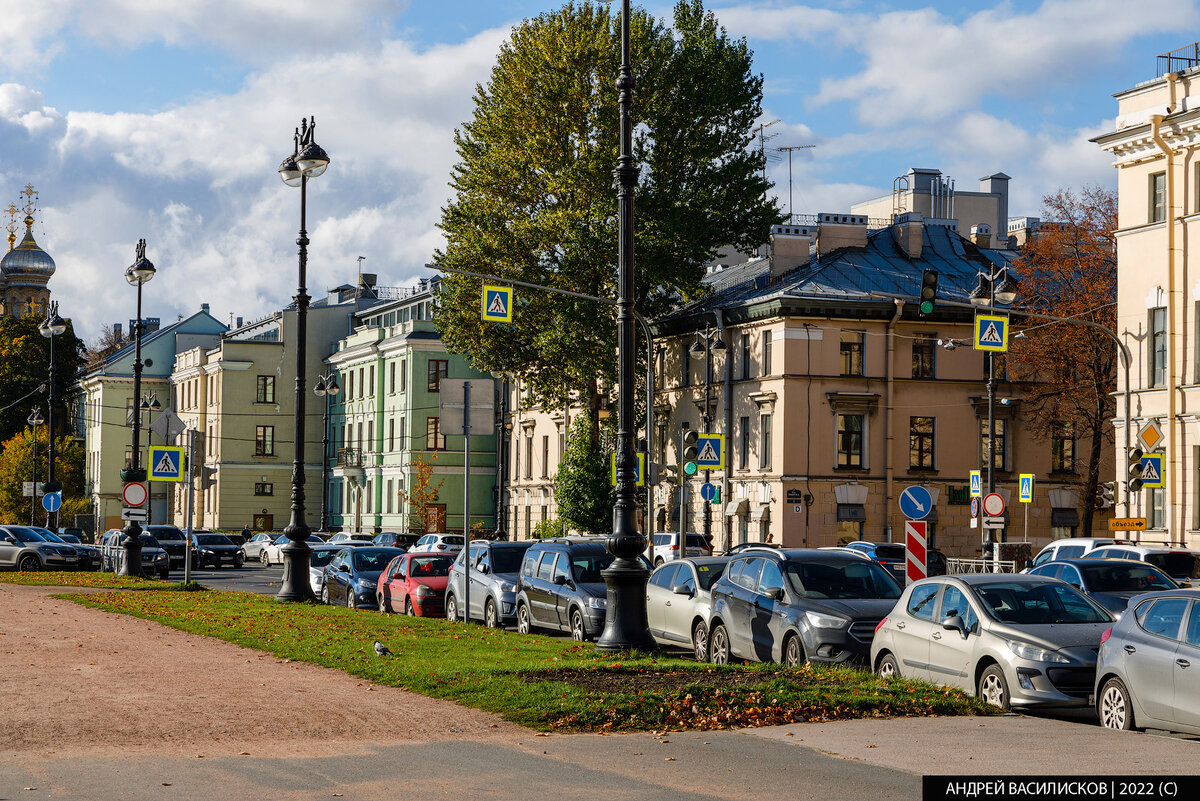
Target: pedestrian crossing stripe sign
{"x": 1152, "y": 470}
{"x": 165, "y": 463}
{"x": 991, "y": 332}
{"x": 976, "y": 484}
{"x": 497, "y": 304}
{"x": 710, "y": 452}
{"x": 641, "y": 469}
{"x": 1027, "y": 488}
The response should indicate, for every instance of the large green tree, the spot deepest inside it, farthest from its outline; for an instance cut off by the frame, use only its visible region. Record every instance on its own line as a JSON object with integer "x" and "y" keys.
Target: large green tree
{"x": 25, "y": 365}
{"x": 582, "y": 487}
{"x": 534, "y": 187}
{"x": 17, "y": 466}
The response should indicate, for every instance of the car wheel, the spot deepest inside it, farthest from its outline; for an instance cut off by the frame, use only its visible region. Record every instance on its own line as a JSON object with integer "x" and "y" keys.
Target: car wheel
{"x": 262, "y": 557}
{"x": 1115, "y": 707}
{"x": 700, "y": 641}
{"x": 524, "y": 623}
{"x": 324, "y": 593}
{"x": 408, "y": 607}
{"x": 718, "y": 646}
{"x": 29, "y": 563}
{"x": 578, "y": 631}
{"x": 491, "y": 618}
{"x": 350, "y": 601}
{"x": 381, "y": 602}
{"x": 993, "y": 687}
{"x": 451, "y": 609}
{"x": 793, "y": 652}
{"x": 888, "y": 667}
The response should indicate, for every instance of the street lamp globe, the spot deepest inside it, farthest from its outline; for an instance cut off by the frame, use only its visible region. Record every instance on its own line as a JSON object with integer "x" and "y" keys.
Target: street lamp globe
{"x": 981, "y": 295}
{"x": 1006, "y": 292}
{"x": 142, "y": 269}
{"x": 332, "y": 386}
{"x": 290, "y": 172}
{"x": 35, "y": 417}
{"x": 718, "y": 344}
{"x": 697, "y": 348}
{"x": 52, "y": 326}
{"x": 312, "y": 160}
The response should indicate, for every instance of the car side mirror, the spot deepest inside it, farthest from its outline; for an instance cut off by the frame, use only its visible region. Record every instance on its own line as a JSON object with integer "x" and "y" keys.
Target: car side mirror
{"x": 560, "y": 580}
{"x": 343, "y": 568}
{"x": 955, "y": 623}
{"x": 682, "y": 589}
{"x": 775, "y": 593}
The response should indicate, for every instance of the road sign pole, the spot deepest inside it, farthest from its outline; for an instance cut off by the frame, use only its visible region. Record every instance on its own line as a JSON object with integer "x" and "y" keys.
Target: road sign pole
{"x": 467, "y": 499}
{"x": 187, "y": 510}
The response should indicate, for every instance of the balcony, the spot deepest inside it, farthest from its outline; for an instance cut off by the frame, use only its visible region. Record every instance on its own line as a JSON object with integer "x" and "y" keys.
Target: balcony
{"x": 350, "y": 463}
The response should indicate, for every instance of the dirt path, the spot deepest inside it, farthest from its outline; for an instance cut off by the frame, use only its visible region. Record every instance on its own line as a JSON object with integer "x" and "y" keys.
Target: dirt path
{"x": 79, "y": 679}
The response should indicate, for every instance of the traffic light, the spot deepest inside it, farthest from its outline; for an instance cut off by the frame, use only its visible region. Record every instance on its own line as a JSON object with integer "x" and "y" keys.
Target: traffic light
{"x": 1135, "y": 469}
{"x": 662, "y": 473}
{"x": 1106, "y": 495}
{"x": 51, "y": 486}
{"x": 208, "y": 476}
{"x": 690, "y": 451}
{"x": 929, "y": 281}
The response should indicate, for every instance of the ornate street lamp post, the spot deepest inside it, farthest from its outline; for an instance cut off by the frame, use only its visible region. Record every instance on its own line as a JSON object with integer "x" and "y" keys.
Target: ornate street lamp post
{"x": 327, "y": 387}
{"x": 138, "y": 273}
{"x": 308, "y": 160}
{"x": 625, "y": 623}
{"x": 51, "y": 327}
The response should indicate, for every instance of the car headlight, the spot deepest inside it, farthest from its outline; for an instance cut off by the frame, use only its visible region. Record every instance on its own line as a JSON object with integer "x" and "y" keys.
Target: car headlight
{"x": 597, "y": 602}
{"x": 823, "y": 621}
{"x": 366, "y": 584}
{"x": 1033, "y": 652}
{"x": 423, "y": 591}
{"x": 206, "y": 552}
{"x": 506, "y": 587}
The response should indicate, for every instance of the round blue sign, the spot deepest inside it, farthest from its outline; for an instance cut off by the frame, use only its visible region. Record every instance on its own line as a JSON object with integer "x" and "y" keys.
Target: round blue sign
{"x": 708, "y": 491}
{"x": 974, "y": 507}
{"x": 916, "y": 502}
{"x": 52, "y": 501}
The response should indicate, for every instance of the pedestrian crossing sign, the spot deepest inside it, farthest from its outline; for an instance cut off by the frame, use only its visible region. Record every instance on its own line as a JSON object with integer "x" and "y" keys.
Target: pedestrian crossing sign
{"x": 710, "y": 452}
{"x": 1152, "y": 470}
{"x": 641, "y": 469}
{"x": 1027, "y": 487}
{"x": 165, "y": 463}
{"x": 497, "y": 304}
{"x": 991, "y": 332}
{"x": 976, "y": 484}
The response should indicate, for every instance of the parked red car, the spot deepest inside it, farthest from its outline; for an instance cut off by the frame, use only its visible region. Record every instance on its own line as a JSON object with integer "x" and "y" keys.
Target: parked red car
{"x": 416, "y": 583}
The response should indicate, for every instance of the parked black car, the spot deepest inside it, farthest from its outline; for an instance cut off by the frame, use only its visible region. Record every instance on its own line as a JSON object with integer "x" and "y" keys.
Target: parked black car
{"x": 171, "y": 540}
{"x": 560, "y": 586}
{"x": 352, "y": 577}
{"x": 396, "y": 539}
{"x": 795, "y": 605}
{"x": 216, "y": 550}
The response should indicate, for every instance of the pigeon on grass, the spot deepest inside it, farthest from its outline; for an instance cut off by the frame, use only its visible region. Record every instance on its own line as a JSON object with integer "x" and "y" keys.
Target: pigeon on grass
{"x": 382, "y": 650}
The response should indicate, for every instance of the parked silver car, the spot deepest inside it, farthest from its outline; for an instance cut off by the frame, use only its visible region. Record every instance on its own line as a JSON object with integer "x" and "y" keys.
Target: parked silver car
{"x": 89, "y": 555}
{"x": 679, "y": 602}
{"x": 1148, "y": 672}
{"x": 252, "y": 548}
{"x": 1112, "y": 583}
{"x": 1014, "y": 640}
{"x": 22, "y": 548}
{"x": 495, "y": 567}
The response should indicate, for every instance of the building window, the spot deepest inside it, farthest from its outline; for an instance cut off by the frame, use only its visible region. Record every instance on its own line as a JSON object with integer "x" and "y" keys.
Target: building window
{"x": 850, "y": 440}
{"x": 370, "y": 436}
{"x": 1000, "y": 452}
{"x": 404, "y": 375}
{"x": 920, "y": 442}
{"x": 1062, "y": 447}
{"x": 391, "y": 434}
{"x": 388, "y": 496}
{"x": 402, "y": 430}
{"x": 264, "y": 440}
{"x": 264, "y": 489}
{"x": 924, "y": 353}
{"x": 743, "y": 455}
{"x": 745, "y": 335}
{"x": 1154, "y": 508}
{"x": 685, "y": 364}
{"x": 438, "y": 369}
{"x": 852, "y": 352}
{"x": 766, "y": 352}
{"x": 349, "y": 385}
{"x": 392, "y": 377}
{"x": 434, "y": 439}
{"x": 362, "y": 383}
{"x": 1158, "y": 197}
{"x": 764, "y": 441}
{"x": 545, "y": 456}
{"x": 529, "y": 455}
{"x": 266, "y": 389}
{"x": 371, "y": 383}
{"x": 1158, "y": 347}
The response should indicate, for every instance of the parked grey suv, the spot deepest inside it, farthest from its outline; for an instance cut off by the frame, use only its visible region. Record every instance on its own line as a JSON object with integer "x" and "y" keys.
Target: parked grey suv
{"x": 22, "y": 548}
{"x": 494, "y": 570}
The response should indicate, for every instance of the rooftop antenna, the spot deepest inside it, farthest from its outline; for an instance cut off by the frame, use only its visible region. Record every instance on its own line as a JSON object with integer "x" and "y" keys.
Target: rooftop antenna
{"x": 358, "y": 285}
{"x": 789, "y": 150}
{"x": 762, "y": 141}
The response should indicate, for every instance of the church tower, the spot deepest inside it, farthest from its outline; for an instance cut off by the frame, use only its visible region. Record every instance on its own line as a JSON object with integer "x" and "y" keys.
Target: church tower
{"x": 26, "y": 269}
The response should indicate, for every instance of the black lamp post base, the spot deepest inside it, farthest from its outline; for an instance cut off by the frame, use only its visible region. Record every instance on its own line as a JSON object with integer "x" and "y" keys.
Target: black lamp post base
{"x": 296, "y": 586}
{"x": 132, "y": 546}
{"x": 626, "y": 626}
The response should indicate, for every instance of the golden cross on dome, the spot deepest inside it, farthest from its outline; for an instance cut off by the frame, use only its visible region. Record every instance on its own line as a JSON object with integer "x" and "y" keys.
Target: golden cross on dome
{"x": 31, "y": 197}
{"x": 11, "y": 225}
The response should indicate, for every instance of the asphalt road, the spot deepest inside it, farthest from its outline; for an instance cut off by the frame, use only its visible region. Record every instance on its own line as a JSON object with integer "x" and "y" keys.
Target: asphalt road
{"x": 251, "y": 577}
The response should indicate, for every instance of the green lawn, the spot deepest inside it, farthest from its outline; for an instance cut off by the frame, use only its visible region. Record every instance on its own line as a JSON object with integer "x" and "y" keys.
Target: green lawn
{"x": 533, "y": 680}
{"x": 104, "y": 581}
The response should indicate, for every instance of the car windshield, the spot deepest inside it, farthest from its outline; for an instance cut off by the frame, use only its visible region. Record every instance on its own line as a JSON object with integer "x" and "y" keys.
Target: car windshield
{"x": 586, "y": 567}
{"x": 696, "y": 541}
{"x": 842, "y": 579}
{"x": 1180, "y": 564}
{"x": 25, "y": 534}
{"x": 890, "y": 552}
{"x": 1124, "y": 578}
{"x": 71, "y": 538}
{"x": 369, "y": 561}
{"x": 708, "y": 574}
{"x": 322, "y": 557}
{"x": 213, "y": 539}
{"x": 148, "y": 541}
{"x": 1038, "y": 603}
{"x": 50, "y": 536}
{"x": 507, "y": 560}
{"x": 429, "y": 566}
{"x": 166, "y": 533}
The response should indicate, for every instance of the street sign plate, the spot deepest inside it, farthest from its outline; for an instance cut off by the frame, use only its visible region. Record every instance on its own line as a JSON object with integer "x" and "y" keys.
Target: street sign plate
{"x": 1026, "y": 488}
{"x": 993, "y": 504}
{"x": 134, "y": 494}
{"x": 991, "y": 332}
{"x": 1150, "y": 435}
{"x": 974, "y": 507}
{"x": 52, "y": 501}
{"x": 27, "y": 489}
{"x": 641, "y": 469}
{"x": 497, "y": 304}
{"x": 915, "y": 550}
{"x": 710, "y": 452}
{"x": 1152, "y": 470}
{"x": 708, "y": 491}
{"x": 166, "y": 463}
{"x": 1127, "y": 524}
{"x": 167, "y": 426}
{"x": 132, "y": 513}
{"x": 916, "y": 502}
{"x": 993, "y": 522}
{"x": 976, "y": 484}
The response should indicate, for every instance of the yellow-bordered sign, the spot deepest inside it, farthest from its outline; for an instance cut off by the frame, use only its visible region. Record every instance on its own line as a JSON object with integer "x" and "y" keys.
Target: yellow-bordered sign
{"x": 166, "y": 463}
{"x": 991, "y": 332}
{"x": 641, "y": 469}
{"x": 497, "y": 304}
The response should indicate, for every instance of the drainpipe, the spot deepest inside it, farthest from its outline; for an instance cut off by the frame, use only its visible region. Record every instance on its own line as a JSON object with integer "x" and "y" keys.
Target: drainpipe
{"x": 888, "y": 423}
{"x": 1172, "y": 330}
{"x": 727, "y": 399}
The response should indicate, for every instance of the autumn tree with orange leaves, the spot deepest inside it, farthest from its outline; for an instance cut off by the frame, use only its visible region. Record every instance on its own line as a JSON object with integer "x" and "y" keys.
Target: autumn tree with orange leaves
{"x": 1069, "y": 269}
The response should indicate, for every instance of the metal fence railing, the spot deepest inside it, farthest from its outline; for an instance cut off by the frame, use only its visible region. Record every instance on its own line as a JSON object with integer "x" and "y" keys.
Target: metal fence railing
{"x": 1178, "y": 60}
{"x": 955, "y": 565}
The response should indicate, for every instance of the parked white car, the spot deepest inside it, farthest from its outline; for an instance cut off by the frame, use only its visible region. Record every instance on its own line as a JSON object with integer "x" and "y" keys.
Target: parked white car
{"x": 350, "y": 538}
{"x": 1181, "y": 564}
{"x": 1071, "y": 548}
{"x": 272, "y": 554}
{"x": 253, "y": 547}
{"x": 438, "y": 543}
{"x": 666, "y": 547}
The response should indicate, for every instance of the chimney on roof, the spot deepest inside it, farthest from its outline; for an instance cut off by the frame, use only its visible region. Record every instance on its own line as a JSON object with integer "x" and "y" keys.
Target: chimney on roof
{"x": 836, "y": 231}
{"x": 908, "y": 231}
{"x": 997, "y": 184}
{"x": 790, "y": 247}
{"x": 203, "y": 307}
{"x": 117, "y": 331}
{"x": 239, "y": 322}
{"x": 981, "y": 235}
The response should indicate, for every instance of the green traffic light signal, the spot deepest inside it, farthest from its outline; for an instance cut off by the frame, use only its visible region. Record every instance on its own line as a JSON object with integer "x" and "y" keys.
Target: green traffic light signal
{"x": 926, "y": 307}
{"x": 689, "y": 468}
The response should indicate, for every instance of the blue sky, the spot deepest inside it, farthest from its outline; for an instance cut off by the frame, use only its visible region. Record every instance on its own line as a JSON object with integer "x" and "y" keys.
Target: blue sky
{"x": 166, "y": 120}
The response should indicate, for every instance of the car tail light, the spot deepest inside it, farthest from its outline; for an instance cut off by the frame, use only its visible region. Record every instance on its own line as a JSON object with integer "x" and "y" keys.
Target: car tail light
{"x": 1104, "y": 637}
{"x": 441, "y": 547}
{"x": 879, "y": 625}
